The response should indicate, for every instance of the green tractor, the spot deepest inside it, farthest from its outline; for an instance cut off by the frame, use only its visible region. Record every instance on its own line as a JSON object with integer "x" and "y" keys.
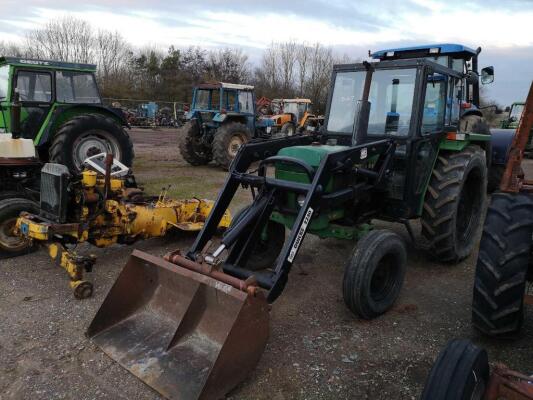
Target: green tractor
{"x": 403, "y": 139}
{"x": 50, "y": 111}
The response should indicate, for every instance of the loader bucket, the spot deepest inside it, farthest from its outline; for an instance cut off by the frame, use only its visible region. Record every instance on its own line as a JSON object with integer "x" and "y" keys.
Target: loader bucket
{"x": 184, "y": 333}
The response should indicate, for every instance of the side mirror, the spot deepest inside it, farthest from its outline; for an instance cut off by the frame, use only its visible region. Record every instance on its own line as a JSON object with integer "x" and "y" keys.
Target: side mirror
{"x": 487, "y": 75}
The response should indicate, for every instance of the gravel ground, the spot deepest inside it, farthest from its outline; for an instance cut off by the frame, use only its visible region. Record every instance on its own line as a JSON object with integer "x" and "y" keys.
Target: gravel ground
{"x": 317, "y": 348}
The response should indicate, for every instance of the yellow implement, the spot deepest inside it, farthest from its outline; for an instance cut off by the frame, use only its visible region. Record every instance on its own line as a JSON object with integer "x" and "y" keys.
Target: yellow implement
{"x": 102, "y": 210}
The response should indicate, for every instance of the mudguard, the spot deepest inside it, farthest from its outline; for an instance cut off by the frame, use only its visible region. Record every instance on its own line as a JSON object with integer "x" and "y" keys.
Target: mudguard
{"x": 500, "y": 141}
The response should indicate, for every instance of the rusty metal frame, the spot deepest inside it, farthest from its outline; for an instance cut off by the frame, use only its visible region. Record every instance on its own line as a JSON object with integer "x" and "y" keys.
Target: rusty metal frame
{"x": 507, "y": 384}
{"x": 513, "y": 180}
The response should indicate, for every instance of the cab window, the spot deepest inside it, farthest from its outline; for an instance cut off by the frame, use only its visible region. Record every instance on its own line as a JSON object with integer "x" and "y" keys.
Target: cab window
{"x": 246, "y": 103}
{"x": 76, "y": 87}
{"x": 434, "y": 104}
{"x": 34, "y": 86}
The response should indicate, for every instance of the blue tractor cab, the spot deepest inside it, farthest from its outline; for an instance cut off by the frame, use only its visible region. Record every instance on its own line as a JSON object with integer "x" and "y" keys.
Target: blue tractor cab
{"x": 221, "y": 119}
{"x": 463, "y": 60}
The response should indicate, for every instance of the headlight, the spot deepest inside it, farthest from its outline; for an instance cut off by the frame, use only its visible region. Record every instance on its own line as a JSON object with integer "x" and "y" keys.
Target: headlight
{"x": 300, "y": 200}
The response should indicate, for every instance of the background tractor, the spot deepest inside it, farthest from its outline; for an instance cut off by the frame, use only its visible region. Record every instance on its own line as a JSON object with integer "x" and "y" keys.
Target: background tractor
{"x": 511, "y": 122}
{"x": 221, "y": 119}
{"x": 56, "y": 107}
{"x": 398, "y": 144}
{"x": 293, "y": 115}
{"x": 504, "y": 266}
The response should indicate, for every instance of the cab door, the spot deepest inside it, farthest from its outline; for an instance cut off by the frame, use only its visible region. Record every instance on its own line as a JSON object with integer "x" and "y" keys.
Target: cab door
{"x": 433, "y": 124}
{"x": 34, "y": 88}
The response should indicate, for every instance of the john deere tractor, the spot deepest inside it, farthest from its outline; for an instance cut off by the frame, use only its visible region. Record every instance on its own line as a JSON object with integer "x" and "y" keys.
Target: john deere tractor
{"x": 403, "y": 140}
{"x": 50, "y": 111}
{"x": 222, "y": 118}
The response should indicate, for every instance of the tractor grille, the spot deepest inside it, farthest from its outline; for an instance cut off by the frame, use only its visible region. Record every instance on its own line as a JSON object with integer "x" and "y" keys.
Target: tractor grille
{"x": 54, "y": 195}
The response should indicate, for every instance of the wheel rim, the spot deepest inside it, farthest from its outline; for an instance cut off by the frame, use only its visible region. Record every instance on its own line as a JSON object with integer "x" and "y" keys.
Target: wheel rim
{"x": 94, "y": 142}
{"x": 479, "y": 388}
{"x": 383, "y": 278}
{"x": 468, "y": 207}
{"x": 290, "y": 131}
{"x": 235, "y": 144}
{"x": 8, "y": 239}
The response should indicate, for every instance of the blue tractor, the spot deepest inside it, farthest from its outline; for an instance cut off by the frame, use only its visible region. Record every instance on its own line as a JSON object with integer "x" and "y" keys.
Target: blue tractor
{"x": 222, "y": 118}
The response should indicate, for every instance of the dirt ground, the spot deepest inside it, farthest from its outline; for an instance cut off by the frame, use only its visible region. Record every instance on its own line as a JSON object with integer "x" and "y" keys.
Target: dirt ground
{"x": 317, "y": 348}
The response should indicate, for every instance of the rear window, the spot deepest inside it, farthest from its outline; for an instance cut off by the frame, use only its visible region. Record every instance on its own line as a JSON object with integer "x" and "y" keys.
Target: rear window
{"x": 34, "y": 86}
{"x": 76, "y": 87}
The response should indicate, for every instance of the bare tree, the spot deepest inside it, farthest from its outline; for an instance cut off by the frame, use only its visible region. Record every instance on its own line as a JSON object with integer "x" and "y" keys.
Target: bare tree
{"x": 66, "y": 39}
{"x": 11, "y": 49}
{"x": 228, "y": 65}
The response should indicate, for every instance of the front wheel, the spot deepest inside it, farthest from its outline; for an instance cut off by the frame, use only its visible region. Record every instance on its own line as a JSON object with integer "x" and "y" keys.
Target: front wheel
{"x": 227, "y": 141}
{"x": 191, "y": 146}
{"x": 12, "y": 244}
{"x": 374, "y": 275}
{"x": 288, "y": 129}
{"x": 461, "y": 372}
{"x": 266, "y": 251}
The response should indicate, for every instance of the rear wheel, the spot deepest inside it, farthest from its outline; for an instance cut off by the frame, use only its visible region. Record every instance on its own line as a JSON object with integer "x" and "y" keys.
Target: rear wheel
{"x": 87, "y": 135}
{"x": 266, "y": 251}
{"x": 374, "y": 275}
{"x": 11, "y": 244}
{"x": 288, "y": 129}
{"x": 454, "y": 203}
{"x": 461, "y": 372}
{"x": 191, "y": 147}
{"x": 502, "y": 264}
{"x": 227, "y": 141}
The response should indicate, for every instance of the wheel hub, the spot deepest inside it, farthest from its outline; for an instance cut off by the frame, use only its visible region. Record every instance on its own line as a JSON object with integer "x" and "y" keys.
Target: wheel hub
{"x": 235, "y": 144}
{"x": 92, "y": 143}
{"x": 8, "y": 237}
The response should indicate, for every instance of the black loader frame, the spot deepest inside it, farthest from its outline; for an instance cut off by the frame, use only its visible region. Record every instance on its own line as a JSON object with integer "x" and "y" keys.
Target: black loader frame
{"x": 270, "y": 192}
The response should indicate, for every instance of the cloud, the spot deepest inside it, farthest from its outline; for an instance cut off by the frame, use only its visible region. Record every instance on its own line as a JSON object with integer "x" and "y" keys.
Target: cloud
{"x": 502, "y": 28}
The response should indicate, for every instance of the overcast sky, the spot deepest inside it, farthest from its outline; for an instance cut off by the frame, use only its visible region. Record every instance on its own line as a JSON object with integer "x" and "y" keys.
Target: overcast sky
{"x": 503, "y": 28}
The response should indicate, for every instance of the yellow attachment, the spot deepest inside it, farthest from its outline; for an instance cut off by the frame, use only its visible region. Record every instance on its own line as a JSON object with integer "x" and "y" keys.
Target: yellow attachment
{"x": 32, "y": 229}
{"x": 89, "y": 178}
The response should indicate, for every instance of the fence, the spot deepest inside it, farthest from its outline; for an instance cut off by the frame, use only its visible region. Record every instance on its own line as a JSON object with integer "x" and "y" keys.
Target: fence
{"x": 150, "y": 113}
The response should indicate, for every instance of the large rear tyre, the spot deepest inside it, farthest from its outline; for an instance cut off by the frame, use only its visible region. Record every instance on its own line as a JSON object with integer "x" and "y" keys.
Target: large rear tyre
{"x": 288, "y": 129}
{"x": 191, "y": 147}
{"x": 454, "y": 203}
{"x": 12, "y": 245}
{"x": 461, "y": 372}
{"x": 374, "y": 275}
{"x": 87, "y": 135}
{"x": 502, "y": 264}
{"x": 266, "y": 251}
{"x": 227, "y": 141}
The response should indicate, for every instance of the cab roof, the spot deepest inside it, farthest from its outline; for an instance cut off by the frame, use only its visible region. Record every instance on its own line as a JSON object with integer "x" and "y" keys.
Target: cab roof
{"x": 426, "y": 50}
{"x": 299, "y": 101}
{"x": 225, "y": 85}
{"x": 49, "y": 64}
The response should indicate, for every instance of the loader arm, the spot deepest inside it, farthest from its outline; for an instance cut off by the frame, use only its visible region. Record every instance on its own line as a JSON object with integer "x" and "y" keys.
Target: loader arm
{"x": 270, "y": 189}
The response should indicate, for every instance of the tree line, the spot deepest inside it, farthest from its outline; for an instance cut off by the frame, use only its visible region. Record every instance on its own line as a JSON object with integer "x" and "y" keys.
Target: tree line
{"x": 285, "y": 70}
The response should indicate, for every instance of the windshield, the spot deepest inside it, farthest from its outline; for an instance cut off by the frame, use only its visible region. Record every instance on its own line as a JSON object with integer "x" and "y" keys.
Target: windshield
{"x": 347, "y": 91}
{"x": 207, "y": 99}
{"x": 4, "y": 81}
{"x": 391, "y": 101}
{"x": 516, "y": 111}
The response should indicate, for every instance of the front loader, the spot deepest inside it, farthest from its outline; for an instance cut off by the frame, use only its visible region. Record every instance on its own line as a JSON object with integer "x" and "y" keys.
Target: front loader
{"x": 397, "y": 145}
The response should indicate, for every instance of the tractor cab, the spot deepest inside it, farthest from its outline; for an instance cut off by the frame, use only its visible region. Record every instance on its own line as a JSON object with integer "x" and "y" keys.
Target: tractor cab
{"x": 213, "y": 102}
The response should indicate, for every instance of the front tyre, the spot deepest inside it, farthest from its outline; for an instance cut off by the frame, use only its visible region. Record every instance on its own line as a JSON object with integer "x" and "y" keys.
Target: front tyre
{"x": 374, "y": 275}
{"x": 461, "y": 372}
{"x": 454, "y": 202}
{"x": 227, "y": 141}
{"x": 11, "y": 244}
{"x": 84, "y": 136}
